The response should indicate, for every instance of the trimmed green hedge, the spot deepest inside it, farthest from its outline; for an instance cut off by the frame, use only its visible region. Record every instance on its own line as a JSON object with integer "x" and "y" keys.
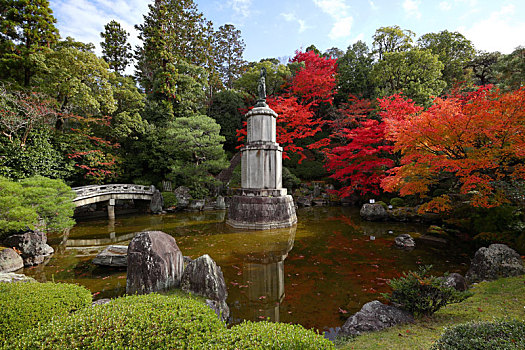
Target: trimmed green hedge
{"x": 24, "y": 305}
{"x": 156, "y": 321}
{"x": 278, "y": 336}
{"x": 150, "y": 321}
{"x": 170, "y": 200}
{"x": 501, "y": 335}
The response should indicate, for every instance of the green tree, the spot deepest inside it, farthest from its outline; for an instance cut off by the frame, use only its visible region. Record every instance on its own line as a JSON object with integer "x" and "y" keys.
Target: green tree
{"x": 392, "y": 39}
{"x": 453, "y": 50}
{"x": 277, "y": 76}
{"x": 229, "y": 48}
{"x": 510, "y": 70}
{"x": 115, "y": 48}
{"x": 27, "y": 27}
{"x": 483, "y": 67}
{"x": 225, "y": 108}
{"x": 334, "y": 52}
{"x": 416, "y": 73}
{"x": 354, "y": 69}
{"x": 35, "y": 203}
{"x": 197, "y": 153}
{"x": 175, "y": 43}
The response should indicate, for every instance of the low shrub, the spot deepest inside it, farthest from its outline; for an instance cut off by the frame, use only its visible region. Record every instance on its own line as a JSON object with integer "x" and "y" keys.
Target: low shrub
{"x": 170, "y": 200}
{"x": 501, "y": 335}
{"x": 25, "y": 305}
{"x": 397, "y": 202}
{"x": 150, "y": 321}
{"x": 268, "y": 335}
{"x": 383, "y": 204}
{"x": 421, "y": 293}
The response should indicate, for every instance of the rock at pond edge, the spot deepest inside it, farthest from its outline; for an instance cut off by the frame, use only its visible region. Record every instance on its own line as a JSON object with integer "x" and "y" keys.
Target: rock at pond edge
{"x": 10, "y": 260}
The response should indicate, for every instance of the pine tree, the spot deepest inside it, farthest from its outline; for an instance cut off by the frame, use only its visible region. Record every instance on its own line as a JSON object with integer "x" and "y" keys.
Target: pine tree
{"x": 116, "y": 51}
{"x": 229, "y": 48}
{"x": 26, "y": 28}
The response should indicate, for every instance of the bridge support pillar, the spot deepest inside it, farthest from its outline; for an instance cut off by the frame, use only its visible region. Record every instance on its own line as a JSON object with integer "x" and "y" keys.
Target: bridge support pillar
{"x": 111, "y": 209}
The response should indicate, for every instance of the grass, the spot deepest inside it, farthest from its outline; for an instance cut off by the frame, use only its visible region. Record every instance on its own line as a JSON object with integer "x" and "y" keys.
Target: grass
{"x": 504, "y": 298}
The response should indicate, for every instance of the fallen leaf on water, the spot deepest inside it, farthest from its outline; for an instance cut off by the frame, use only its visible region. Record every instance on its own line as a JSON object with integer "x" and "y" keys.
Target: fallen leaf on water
{"x": 343, "y": 311}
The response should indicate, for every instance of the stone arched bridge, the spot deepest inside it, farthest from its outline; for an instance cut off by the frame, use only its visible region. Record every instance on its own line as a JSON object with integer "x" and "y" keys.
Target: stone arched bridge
{"x": 102, "y": 193}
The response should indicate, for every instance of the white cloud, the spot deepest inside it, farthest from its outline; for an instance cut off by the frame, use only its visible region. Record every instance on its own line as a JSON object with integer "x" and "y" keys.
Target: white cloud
{"x": 411, "y": 8}
{"x": 339, "y": 11}
{"x": 290, "y": 17}
{"x": 497, "y": 32}
{"x": 241, "y": 7}
{"x": 445, "y": 6}
{"x": 373, "y": 6}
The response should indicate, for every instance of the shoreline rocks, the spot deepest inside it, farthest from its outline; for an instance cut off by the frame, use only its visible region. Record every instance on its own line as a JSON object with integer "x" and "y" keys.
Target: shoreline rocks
{"x": 32, "y": 245}
{"x": 405, "y": 241}
{"x": 112, "y": 256}
{"x": 498, "y": 260}
{"x": 10, "y": 260}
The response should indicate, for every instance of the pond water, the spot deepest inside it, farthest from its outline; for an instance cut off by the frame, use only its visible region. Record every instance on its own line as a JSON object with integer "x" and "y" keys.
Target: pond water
{"x": 315, "y": 274}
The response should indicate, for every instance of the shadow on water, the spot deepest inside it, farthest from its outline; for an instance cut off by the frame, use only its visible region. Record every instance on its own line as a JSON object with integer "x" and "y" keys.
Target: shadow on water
{"x": 316, "y": 273}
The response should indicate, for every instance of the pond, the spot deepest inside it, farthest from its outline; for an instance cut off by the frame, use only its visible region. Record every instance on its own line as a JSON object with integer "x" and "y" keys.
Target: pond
{"x": 315, "y": 274}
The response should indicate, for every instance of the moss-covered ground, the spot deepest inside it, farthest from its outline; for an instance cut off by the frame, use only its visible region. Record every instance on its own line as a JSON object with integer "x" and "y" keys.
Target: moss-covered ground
{"x": 504, "y": 298}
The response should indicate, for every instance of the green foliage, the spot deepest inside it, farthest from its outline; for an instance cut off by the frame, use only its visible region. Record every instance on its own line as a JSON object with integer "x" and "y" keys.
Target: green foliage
{"x": 416, "y": 73}
{"x": 27, "y": 28}
{"x": 277, "y": 336}
{"x": 501, "y": 335}
{"x": 453, "y": 50}
{"x": 226, "y": 109}
{"x": 290, "y": 181}
{"x": 354, "y": 70}
{"x": 35, "y": 202}
{"x": 229, "y": 48}
{"x": 484, "y": 66}
{"x": 195, "y": 146}
{"x": 25, "y": 305}
{"x": 422, "y": 294}
{"x": 115, "y": 48}
{"x": 277, "y": 75}
{"x": 397, "y": 202}
{"x": 392, "y": 39}
{"x": 511, "y": 69}
{"x": 170, "y": 200}
{"x": 140, "y": 322}
{"x": 383, "y": 204}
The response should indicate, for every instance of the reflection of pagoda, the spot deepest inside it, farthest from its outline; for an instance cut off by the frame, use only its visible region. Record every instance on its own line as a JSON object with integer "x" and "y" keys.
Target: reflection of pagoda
{"x": 263, "y": 274}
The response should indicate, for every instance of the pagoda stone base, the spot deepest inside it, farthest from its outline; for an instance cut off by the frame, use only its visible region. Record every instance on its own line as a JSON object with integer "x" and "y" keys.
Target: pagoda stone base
{"x": 261, "y": 212}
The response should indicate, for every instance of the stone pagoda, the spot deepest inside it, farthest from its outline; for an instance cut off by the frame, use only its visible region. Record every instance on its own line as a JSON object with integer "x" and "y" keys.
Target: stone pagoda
{"x": 261, "y": 203}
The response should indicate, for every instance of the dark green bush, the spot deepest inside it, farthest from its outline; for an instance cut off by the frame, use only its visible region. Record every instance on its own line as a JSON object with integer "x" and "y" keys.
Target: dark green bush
{"x": 268, "y": 335}
{"x": 501, "y": 335}
{"x": 170, "y": 200}
{"x": 397, "y": 202}
{"x": 150, "y": 321}
{"x": 383, "y": 204}
{"x": 421, "y": 293}
{"x": 290, "y": 181}
{"x": 24, "y": 305}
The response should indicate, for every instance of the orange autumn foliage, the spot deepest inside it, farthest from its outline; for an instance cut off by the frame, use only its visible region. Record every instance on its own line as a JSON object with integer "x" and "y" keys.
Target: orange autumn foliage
{"x": 476, "y": 139}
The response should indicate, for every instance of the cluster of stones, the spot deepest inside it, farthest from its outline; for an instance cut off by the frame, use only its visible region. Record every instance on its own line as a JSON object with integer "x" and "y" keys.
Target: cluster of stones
{"x": 25, "y": 249}
{"x": 489, "y": 263}
{"x": 261, "y": 203}
{"x": 155, "y": 263}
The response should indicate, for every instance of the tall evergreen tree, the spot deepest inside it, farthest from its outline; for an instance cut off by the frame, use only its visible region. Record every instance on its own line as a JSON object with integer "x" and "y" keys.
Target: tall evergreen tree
{"x": 174, "y": 36}
{"x": 26, "y": 28}
{"x": 229, "y": 48}
{"x": 116, "y": 50}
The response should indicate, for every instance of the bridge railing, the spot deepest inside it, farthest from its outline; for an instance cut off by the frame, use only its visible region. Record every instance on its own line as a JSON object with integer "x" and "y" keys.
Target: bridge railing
{"x": 97, "y": 190}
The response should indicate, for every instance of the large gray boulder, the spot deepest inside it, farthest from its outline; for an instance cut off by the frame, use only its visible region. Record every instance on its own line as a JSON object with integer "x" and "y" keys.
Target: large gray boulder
{"x": 375, "y": 316}
{"x": 10, "y": 277}
{"x": 10, "y": 260}
{"x": 155, "y": 263}
{"x": 456, "y": 281}
{"x": 498, "y": 260}
{"x": 183, "y": 196}
{"x": 32, "y": 245}
{"x": 113, "y": 256}
{"x": 157, "y": 202}
{"x": 373, "y": 212}
{"x": 204, "y": 277}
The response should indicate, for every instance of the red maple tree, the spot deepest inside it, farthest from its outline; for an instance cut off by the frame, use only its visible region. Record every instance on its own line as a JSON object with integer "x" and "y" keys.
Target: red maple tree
{"x": 475, "y": 141}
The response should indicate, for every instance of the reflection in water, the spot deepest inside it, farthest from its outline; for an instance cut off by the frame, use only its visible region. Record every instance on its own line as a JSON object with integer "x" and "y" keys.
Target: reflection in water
{"x": 338, "y": 262}
{"x": 263, "y": 275}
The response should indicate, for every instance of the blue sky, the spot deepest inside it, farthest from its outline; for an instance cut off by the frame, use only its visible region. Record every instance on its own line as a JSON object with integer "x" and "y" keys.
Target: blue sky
{"x": 273, "y": 28}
